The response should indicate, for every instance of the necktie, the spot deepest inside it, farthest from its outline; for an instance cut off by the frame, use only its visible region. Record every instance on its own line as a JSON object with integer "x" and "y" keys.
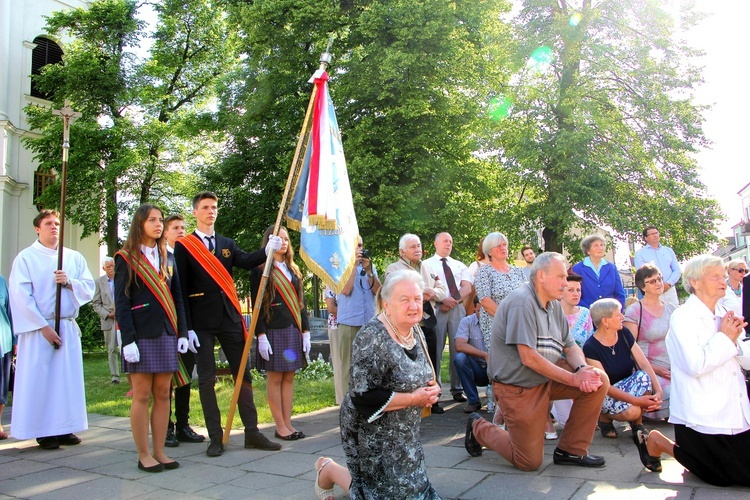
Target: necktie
{"x": 210, "y": 240}
{"x": 450, "y": 280}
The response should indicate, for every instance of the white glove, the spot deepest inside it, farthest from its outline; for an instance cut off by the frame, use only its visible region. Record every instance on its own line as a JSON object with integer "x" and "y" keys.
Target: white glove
{"x": 264, "y": 347}
{"x": 182, "y": 345}
{"x": 130, "y": 353}
{"x": 306, "y": 342}
{"x": 193, "y": 341}
{"x": 274, "y": 243}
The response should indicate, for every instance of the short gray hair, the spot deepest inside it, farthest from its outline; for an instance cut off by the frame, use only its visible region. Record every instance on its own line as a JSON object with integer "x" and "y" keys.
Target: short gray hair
{"x": 589, "y": 240}
{"x": 493, "y": 240}
{"x": 386, "y": 291}
{"x": 696, "y": 267}
{"x": 603, "y": 308}
{"x": 107, "y": 260}
{"x": 543, "y": 263}
{"x": 405, "y": 239}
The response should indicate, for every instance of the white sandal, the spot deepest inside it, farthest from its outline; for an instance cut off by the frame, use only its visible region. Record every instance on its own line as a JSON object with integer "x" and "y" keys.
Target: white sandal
{"x": 321, "y": 493}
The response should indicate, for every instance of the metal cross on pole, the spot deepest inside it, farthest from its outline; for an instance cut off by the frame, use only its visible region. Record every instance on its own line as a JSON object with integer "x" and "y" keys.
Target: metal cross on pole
{"x": 68, "y": 116}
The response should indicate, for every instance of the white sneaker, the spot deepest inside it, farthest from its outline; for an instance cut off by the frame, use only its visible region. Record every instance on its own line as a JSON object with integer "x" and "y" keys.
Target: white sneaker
{"x": 549, "y": 436}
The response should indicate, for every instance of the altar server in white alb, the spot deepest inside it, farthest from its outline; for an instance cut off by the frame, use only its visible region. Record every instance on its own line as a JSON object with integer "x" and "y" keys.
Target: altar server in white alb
{"x": 49, "y": 402}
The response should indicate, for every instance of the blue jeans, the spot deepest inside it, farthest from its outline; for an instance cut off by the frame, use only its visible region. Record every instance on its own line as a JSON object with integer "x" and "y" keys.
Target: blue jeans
{"x": 471, "y": 374}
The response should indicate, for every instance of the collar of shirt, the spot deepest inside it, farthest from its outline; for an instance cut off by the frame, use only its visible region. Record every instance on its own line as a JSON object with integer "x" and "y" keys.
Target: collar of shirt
{"x": 169, "y": 249}
{"x": 152, "y": 254}
{"x": 587, "y": 262}
{"x": 704, "y": 312}
{"x": 203, "y": 235}
{"x": 283, "y": 268}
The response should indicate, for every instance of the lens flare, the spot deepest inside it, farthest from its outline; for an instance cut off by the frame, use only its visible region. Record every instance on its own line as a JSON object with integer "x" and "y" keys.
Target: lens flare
{"x": 290, "y": 355}
{"x": 575, "y": 19}
{"x": 541, "y": 59}
{"x": 499, "y": 107}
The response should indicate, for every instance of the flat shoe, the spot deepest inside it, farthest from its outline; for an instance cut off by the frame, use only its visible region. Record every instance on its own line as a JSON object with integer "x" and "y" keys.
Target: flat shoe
{"x": 174, "y": 464}
{"x": 48, "y": 443}
{"x": 300, "y": 434}
{"x": 549, "y": 436}
{"x": 321, "y": 493}
{"x": 471, "y": 444}
{"x": 560, "y": 457}
{"x": 608, "y": 430}
{"x": 650, "y": 462}
{"x": 153, "y": 468}
{"x": 68, "y": 440}
{"x": 291, "y": 437}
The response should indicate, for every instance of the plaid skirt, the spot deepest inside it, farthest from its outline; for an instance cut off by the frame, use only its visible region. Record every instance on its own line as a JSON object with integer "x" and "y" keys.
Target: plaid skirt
{"x": 286, "y": 344}
{"x": 158, "y": 355}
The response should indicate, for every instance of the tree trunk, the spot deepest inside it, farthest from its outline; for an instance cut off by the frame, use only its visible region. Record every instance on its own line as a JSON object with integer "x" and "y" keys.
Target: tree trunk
{"x": 552, "y": 241}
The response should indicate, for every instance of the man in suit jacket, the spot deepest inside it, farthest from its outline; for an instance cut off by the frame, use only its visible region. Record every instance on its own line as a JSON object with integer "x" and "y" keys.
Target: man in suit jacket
{"x": 104, "y": 305}
{"x": 213, "y": 316}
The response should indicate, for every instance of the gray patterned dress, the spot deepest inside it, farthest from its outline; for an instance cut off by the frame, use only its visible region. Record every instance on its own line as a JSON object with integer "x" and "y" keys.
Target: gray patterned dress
{"x": 383, "y": 452}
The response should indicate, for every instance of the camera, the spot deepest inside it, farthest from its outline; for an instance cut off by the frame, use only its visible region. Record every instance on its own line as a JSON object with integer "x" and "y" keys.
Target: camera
{"x": 366, "y": 254}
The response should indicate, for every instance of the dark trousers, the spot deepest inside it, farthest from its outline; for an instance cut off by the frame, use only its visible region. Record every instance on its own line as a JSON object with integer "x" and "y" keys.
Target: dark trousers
{"x": 718, "y": 459}
{"x": 232, "y": 341}
{"x": 430, "y": 338}
{"x": 182, "y": 395}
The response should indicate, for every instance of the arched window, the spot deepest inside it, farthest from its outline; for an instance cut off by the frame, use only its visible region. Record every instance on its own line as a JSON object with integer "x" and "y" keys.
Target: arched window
{"x": 46, "y": 52}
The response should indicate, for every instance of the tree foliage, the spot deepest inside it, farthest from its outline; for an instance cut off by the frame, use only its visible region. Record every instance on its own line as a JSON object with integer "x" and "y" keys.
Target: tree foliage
{"x": 602, "y": 128}
{"x": 143, "y": 125}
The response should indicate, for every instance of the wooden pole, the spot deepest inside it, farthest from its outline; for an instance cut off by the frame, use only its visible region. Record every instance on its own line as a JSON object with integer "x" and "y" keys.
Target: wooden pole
{"x": 293, "y": 173}
{"x": 68, "y": 115}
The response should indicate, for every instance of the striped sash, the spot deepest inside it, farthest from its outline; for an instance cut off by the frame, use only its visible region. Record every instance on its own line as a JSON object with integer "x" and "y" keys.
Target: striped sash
{"x": 211, "y": 264}
{"x": 155, "y": 283}
{"x": 285, "y": 288}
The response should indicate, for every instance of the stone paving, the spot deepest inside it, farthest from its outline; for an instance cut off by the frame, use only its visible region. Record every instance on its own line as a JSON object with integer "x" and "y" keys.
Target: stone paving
{"x": 104, "y": 466}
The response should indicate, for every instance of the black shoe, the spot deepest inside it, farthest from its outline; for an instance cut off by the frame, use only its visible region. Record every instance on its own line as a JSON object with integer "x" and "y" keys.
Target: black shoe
{"x": 174, "y": 464}
{"x": 472, "y": 407}
{"x": 459, "y": 398}
{"x": 561, "y": 457}
{"x": 437, "y": 410}
{"x": 289, "y": 437}
{"x": 261, "y": 442}
{"x": 215, "y": 448}
{"x": 188, "y": 435}
{"x": 68, "y": 440}
{"x": 153, "y": 468}
{"x": 115, "y": 382}
{"x": 48, "y": 443}
{"x": 300, "y": 434}
{"x": 171, "y": 440}
{"x": 470, "y": 442}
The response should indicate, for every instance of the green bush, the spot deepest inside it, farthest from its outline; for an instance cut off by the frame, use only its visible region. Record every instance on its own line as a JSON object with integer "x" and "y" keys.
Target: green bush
{"x": 91, "y": 333}
{"x": 317, "y": 370}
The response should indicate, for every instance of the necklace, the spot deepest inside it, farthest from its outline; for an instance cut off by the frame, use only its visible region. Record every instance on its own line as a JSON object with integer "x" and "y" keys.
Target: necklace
{"x": 408, "y": 340}
{"x": 612, "y": 347}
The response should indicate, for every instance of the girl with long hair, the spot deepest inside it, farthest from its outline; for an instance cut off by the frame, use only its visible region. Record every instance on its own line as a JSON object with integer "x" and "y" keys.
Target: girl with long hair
{"x": 151, "y": 318}
{"x": 283, "y": 332}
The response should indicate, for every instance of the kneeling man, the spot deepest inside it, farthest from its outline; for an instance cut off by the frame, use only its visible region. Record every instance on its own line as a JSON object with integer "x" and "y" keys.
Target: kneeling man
{"x": 471, "y": 358}
{"x": 529, "y": 337}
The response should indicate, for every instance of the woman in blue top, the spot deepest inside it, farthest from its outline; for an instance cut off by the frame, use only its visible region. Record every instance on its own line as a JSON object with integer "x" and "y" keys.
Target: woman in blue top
{"x": 600, "y": 277}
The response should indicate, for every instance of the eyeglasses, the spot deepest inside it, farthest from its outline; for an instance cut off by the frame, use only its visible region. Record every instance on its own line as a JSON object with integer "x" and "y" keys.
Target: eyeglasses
{"x": 652, "y": 233}
{"x": 740, "y": 270}
{"x": 658, "y": 279}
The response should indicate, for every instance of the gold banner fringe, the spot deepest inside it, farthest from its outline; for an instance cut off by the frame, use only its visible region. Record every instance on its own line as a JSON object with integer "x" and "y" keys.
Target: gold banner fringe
{"x": 322, "y": 274}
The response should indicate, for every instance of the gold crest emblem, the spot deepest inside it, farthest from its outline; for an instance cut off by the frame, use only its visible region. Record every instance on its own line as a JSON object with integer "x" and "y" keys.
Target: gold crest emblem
{"x": 226, "y": 253}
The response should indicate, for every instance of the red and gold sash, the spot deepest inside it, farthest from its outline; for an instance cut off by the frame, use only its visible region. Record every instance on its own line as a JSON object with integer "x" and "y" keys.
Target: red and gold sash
{"x": 155, "y": 283}
{"x": 210, "y": 263}
{"x": 288, "y": 293}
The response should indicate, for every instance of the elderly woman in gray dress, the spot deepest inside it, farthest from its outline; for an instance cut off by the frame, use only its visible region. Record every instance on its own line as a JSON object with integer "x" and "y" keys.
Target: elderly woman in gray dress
{"x": 391, "y": 381}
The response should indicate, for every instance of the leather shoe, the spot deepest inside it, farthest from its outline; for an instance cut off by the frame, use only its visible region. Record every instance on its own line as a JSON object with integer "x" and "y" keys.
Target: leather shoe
{"x": 152, "y": 468}
{"x": 288, "y": 437}
{"x": 261, "y": 442}
{"x": 188, "y": 435}
{"x": 437, "y": 409}
{"x": 300, "y": 434}
{"x": 215, "y": 448}
{"x": 174, "y": 464}
{"x": 68, "y": 440}
{"x": 171, "y": 440}
{"x": 561, "y": 457}
{"x": 459, "y": 398}
{"x": 470, "y": 442}
{"x": 48, "y": 443}
{"x": 472, "y": 407}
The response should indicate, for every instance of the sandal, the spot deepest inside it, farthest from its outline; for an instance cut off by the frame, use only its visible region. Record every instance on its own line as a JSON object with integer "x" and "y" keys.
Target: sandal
{"x": 608, "y": 430}
{"x": 650, "y": 462}
{"x": 3, "y": 435}
{"x": 321, "y": 493}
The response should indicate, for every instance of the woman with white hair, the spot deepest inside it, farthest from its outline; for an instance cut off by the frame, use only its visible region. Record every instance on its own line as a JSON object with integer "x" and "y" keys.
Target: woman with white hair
{"x": 600, "y": 277}
{"x": 634, "y": 388}
{"x": 709, "y": 404}
{"x": 391, "y": 382}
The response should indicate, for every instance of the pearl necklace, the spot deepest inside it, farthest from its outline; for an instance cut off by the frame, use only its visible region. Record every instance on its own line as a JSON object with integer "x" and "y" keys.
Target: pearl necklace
{"x": 407, "y": 341}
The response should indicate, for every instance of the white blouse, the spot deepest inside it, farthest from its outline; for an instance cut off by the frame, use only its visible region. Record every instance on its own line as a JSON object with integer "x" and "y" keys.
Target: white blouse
{"x": 709, "y": 394}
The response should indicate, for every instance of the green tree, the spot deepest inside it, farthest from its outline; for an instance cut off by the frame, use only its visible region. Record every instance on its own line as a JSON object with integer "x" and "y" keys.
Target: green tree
{"x": 602, "y": 128}
{"x": 143, "y": 127}
{"x": 408, "y": 79}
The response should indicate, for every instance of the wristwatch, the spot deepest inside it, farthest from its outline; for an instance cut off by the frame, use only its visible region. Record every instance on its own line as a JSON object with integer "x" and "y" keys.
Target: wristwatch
{"x": 578, "y": 368}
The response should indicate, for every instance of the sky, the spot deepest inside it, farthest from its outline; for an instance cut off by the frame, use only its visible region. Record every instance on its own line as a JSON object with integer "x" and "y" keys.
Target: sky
{"x": 724, "y": 168}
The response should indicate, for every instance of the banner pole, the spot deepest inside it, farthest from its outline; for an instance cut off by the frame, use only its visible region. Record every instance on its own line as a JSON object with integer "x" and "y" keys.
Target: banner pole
{"x": 325, "y": 59}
